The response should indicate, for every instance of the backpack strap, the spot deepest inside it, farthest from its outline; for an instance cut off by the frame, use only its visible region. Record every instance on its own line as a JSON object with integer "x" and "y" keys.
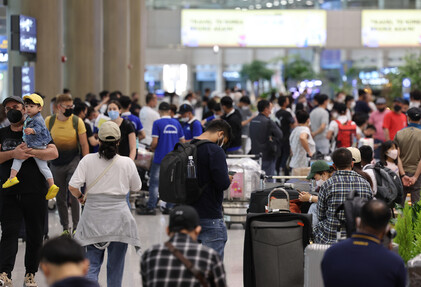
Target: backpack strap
{"x": 191, "y": 127}
{"x": 52, "y": 121}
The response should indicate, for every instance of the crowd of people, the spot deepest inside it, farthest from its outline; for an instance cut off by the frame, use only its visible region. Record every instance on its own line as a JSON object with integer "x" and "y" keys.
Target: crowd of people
{"x": 91, "y": 146}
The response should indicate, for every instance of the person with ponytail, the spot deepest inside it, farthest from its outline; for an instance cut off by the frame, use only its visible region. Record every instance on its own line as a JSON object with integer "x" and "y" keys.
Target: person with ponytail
{"x": 106, "y": 222}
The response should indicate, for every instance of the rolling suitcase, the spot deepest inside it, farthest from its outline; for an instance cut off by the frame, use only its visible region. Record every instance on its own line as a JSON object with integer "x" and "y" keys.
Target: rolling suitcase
{"x": 313, "y": 255}
{"x": 259, "y": 198}
{"x": 274, "y": 249}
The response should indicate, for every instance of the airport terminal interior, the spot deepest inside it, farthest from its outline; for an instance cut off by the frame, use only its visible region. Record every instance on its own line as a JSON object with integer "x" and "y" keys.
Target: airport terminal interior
{"x": 199, "y": 53}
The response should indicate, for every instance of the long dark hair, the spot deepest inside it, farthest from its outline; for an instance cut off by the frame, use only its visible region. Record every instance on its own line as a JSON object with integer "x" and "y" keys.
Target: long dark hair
{"x": 384, "y": 148}
{"x": 108, "y": 149}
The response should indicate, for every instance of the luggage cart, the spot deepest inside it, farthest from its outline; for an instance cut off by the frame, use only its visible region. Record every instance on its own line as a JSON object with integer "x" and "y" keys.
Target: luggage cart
{"x": 236, "y": 203}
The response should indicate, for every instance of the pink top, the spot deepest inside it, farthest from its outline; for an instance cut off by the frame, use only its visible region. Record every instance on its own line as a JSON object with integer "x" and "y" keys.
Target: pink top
{"x": 376, "y": 119}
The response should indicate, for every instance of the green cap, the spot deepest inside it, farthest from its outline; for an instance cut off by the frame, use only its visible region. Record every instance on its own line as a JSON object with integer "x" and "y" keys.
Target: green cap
{"x": 316, "y": 167}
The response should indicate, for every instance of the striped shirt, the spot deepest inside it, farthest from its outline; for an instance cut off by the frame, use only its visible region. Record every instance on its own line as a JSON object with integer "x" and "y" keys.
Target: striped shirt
{"x": 160, "y": 268}
{"x": 331, "y": 195}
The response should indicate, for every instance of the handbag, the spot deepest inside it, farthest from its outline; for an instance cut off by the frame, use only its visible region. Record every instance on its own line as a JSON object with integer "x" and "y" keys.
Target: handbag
{"x": 99, "y": 177}
{"x": 187, "y": 263}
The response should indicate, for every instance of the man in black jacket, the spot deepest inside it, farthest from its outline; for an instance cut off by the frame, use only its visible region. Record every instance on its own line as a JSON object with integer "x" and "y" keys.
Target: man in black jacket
{"x": 233, "y": 118}
{"x": 265, "y": 137}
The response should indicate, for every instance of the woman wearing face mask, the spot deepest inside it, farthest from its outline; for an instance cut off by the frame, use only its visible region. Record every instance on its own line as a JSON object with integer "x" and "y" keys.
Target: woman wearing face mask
{"x": 389, "y": 156}
{"x": 127, "y": 146}
{"x": 320, "y": 172}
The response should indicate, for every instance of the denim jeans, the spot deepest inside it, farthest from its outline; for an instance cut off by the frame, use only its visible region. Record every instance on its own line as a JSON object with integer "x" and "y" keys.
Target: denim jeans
{"x": 213, "y": 235}
{"x": 314, "y": 211}
{"x": 153, "y": 186}
{"x": 115, "y": 265}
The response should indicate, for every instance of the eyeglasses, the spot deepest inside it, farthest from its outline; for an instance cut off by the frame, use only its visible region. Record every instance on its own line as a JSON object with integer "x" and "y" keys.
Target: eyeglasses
{"x": 67, "y": 107}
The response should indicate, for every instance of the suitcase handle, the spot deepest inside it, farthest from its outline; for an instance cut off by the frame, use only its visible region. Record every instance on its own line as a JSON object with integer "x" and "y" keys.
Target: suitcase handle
{"x": 270, "y": 194}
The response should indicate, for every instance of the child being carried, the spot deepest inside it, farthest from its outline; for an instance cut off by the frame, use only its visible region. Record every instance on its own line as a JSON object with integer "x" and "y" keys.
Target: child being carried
{"x": 36, "y": 136}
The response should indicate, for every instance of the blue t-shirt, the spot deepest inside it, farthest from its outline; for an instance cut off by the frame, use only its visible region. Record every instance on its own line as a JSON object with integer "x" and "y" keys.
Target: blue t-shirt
{"x": 192, "y": 130}
{"x": 134, "y": 120}
{"x": 169, "y": 132}
{"x": 362, "y": 261}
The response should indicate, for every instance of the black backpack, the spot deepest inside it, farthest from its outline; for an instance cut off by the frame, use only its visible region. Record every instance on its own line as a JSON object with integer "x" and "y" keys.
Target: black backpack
{"x": 389, "y": 185}
{"x": 174, "y": 186}
{"x": 352, "y": 208}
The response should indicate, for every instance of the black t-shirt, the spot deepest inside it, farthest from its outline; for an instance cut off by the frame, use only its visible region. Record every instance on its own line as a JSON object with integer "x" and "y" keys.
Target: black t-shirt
{"x": 234, "y": 120}
{"x": 211, "y": 170}
{"x": 126, "y": 128}
{"x": 30, "y": 178}
{"x": 285, "y": 119}
{"x": 89, "y": 133}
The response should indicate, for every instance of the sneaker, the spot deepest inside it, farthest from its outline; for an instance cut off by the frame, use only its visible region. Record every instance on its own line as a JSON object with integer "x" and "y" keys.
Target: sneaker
{"x": 5, "y": 281}
{"x": 74, "y": 232}
{"x": 30, "y": 280}
{"x": 66, "y": 232}
{"x": 10, "y": 182}
{"x": 146, "y": 211}
{"x": 52, "y": 192}
{"x": 165, "y": 210}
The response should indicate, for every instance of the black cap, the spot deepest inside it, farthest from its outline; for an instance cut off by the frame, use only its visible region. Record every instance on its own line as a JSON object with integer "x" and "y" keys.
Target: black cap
{"x": 398, "y": 100}
{"x": 184, "y": 108}
{"x": 414, "y": 114}
{"x": 12, "y": 98}
{"x": 164, "y": 106}
{"x": 183, "y": 217}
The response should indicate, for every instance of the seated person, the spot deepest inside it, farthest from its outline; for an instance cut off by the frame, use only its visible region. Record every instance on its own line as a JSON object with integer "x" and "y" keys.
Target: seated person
{"x": 362, "y": 260}
{"x": 320, "y": 172}
{"x": 64, "y": 264}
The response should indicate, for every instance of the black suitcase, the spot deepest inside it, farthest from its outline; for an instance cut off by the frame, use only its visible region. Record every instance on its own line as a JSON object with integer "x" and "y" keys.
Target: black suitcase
{"x": 259, "y": 198}
{"x": 274, "y": 249}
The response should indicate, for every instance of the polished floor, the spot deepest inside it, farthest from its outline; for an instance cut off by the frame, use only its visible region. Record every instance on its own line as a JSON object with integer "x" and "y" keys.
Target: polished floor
{"x": 152, "y": 231}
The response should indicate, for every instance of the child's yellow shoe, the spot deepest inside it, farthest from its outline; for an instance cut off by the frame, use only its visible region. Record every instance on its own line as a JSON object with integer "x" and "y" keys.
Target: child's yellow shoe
{"x": 52, "y": 192}
{"x": 10, "y": 182}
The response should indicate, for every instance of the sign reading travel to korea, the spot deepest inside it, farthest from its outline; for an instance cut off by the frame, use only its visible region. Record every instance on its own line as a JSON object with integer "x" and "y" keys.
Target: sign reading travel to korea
{"x": 262, "y": 28}
{"x": 391, "y": 28}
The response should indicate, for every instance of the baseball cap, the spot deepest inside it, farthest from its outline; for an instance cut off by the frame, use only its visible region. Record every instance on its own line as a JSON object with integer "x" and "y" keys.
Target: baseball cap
{"x": 109, "y": 132}
{"x": 185, "y": 108}
{"x": 183, "y": 217}
{"x": 414, "y": 114}
{"x": 398, "y": 100}
{"x": 36, "y": 99}
{"x": 356, "y": 154}
{"x": 12, "y": 98}
{"x": 380, "y": 101}
{"x": 316, "y": 167}
{"x": 164, "y": 106}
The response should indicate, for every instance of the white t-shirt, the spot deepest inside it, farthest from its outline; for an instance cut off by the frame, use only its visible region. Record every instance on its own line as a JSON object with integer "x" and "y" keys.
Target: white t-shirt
{"x": 368, "y": 169}
{"x": 118, "y": 180}
{"x": 299, "y": 154}
{"x": 147, "y": 116}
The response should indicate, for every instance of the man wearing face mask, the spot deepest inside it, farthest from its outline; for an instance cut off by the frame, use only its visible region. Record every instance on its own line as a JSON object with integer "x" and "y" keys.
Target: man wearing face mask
{"x": 394, "y": 121}
{"x": 377, "y": 118}
{"x": 408, "y": 141}
{"x": 212, "y": 173}
{"x": 262, "y": 130}
{"x": 69, "y": 134}
{"x": 191, "y": 126}
{"x": 320, "y": 172}
{"x": 25, "y": 200}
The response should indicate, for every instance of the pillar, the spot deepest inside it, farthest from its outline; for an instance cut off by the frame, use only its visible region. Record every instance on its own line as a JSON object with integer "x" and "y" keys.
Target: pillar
{"x": 220, "y": 83}
{"x": 83, "y": 42}
{"x": 138, "y": 48}
{"x": 116, "y": 45}
{"x": 48, "y": 66}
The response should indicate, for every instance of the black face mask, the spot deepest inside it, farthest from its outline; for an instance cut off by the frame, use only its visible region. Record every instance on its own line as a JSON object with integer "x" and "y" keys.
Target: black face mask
{"x": 369, "y": 137}
{"x": 397, "y": 108}
{"x": 68, "y": 113}
{"x": 14, "y": 116}
{"x": 382, "y": 110}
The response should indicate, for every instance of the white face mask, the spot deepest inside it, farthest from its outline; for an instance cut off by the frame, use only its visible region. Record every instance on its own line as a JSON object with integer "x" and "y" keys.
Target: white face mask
{"x": 184, "y": 120}
{"x": 245, "y": 108}
{"x": 217, "y": 117}
{"x": 353, "y": 105}
{"x": 393, "y": 154}
{"x": 320, "y": 182}
{"x": 335, "y": 115}
{"x": 222, "y": 142}
{"x": 193, "y": 102}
